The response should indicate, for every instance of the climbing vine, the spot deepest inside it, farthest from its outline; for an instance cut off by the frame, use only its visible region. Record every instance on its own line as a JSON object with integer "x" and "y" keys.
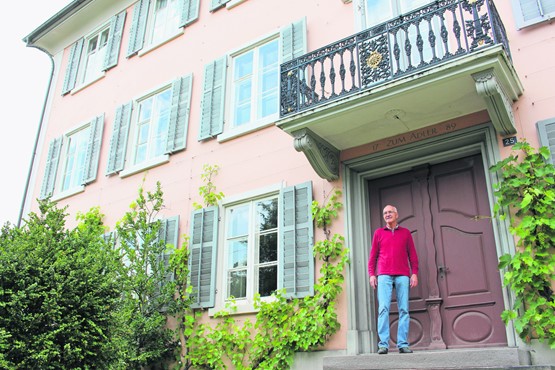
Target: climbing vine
{"x": 526, "y": 195}
{"x": 282, "y": 326}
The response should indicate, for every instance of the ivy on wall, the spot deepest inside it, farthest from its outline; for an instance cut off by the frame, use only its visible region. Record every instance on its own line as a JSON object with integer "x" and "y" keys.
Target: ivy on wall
{"x": 526, "y": 195}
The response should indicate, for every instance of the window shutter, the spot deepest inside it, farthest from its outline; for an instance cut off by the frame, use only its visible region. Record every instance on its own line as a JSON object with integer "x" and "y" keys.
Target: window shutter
{"x": 138, "y": 27}
{"x": 51, "y": 168}
{"x": 93, "y": 150}
{"x": 212, "y": 105}
{"x": 546, "y": 129}
{"x": 190, "y": 11}
{"x": 296, "y": 269}
{"x": 169, "y": 233}
{"x": 118, "y": 142}
{"x": 179, "y": 115}
{"x": 72, "y": 66}
{"x": 293, "y": 40}
{"x": 217, "y": 4}
{"x": 529, "y": 12}
{"x": 114, "y": 41}
{"x": 202, "y": 258}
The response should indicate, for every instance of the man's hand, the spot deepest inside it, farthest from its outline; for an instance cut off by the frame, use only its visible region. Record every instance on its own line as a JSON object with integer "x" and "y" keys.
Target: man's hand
{"x": 413, "y": 280}
{"x": 373, "y": 281}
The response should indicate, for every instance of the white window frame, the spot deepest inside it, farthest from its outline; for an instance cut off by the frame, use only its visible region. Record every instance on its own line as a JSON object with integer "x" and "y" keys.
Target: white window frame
{"x": 58, "y": 193}
{"x": 230, "y": 130}
{"x": 151, "y": 160}
{"x": 243, "y": 305}
{"x": 152, "y": 39}
{"x": 86, "y": 76}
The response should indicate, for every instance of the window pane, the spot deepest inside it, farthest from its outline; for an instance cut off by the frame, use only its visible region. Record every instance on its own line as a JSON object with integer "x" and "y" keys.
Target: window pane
{"x": 267, "y": 214}
{"x": 238, "y": 221}
{"x": 267, "y": 280}
{"x": 238, "y": 253}
{"x": 410, "y": 5}
{"x": 243, "y": 66}
{"x": 269, "y": 54}
{"x": 237, "y": 284}
{"x": 267, "y": 248}
{"x": 162, "y": 122}
{"x": 378, "y": 11}
{"x": 145, "y": 109}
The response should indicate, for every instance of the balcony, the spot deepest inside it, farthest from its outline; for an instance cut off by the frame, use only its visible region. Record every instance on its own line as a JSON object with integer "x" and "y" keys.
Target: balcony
{"x": 446, "y": 60}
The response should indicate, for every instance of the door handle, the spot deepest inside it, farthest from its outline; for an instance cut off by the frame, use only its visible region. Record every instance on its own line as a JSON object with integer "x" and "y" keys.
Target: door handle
{"x": 442, "y": 271}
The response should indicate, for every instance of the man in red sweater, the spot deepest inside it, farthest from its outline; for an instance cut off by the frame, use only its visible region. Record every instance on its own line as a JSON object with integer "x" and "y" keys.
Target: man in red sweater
{"x": 393, "y": 263}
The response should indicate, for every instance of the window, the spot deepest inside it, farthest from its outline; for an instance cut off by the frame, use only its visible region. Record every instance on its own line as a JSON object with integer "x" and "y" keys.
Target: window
{"x": 251, "y": 248}
{"x": 78, "y": 153}
{"x": 75, "y": 156}
{"x": 90, "y": 56}
{"x": 378, "y": 11}
{"x": 252, "y": 89}
{"x": 156, "y": 21}
{"x": 530, "y": 12}
{"x": 255, "y": 84}
{"x": 267, "y": 240}
{"x": 154, "y": 125}
{"x": 95, "y": 54}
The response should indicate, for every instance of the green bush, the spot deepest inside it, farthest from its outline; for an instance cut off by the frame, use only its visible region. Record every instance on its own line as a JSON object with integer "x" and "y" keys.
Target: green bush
{"x": 58, "y": 293}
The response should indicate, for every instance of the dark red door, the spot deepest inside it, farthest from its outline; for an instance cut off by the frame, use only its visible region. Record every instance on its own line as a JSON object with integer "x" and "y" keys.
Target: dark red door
{"x": 459, "y": 301}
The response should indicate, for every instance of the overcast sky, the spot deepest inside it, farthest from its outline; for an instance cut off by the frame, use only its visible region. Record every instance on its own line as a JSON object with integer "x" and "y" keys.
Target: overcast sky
{"x": 24, "y": 76}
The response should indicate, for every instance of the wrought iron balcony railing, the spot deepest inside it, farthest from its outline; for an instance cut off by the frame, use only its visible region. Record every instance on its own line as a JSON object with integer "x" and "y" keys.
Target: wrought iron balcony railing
{"x": 411, "y": 43}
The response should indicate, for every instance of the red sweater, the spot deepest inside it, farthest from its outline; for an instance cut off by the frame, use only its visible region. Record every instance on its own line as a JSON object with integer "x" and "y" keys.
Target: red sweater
{"x": 391, "y": 252}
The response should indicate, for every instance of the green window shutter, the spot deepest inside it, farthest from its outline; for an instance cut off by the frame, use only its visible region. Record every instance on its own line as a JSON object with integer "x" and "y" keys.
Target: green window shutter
{"x": 189, "y": 12}
{"x": 138, "y": 27}
{"x": 296, "y": 268}
{"x": 118, "y": 142}
{"x": 179, "y": 115}
{"x": 529, "y": 12}
{"x": 72, "y": 66}
{"x": 217, "y": 4}
{"x": 93, "y": 149}
{"x": 213, "y": 94}
{"x": 114, "y": 41}
{"x": 293, "y": 40}
{"x": 202, "y": 258}
{"x": 51, "y": 168}
{"x": 546, "y": 130}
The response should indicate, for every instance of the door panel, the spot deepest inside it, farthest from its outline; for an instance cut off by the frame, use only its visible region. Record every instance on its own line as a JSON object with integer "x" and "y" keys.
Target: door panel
{"x": 459, "y": 300}
{"x": 470, "y": 285}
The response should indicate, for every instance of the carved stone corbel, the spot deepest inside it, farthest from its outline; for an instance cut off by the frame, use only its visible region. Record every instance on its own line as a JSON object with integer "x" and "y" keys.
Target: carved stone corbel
{"x": 497, "y": 102}
{"x": 323, "y": 157}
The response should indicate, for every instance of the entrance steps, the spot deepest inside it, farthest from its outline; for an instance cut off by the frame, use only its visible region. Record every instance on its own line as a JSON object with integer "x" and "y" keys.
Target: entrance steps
{"x": 464, "y": 359}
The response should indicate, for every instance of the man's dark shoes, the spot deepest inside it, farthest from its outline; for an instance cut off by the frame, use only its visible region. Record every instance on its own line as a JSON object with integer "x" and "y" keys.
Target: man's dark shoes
{"x": 404, "y": 350}
{"x": 382, "y": 351}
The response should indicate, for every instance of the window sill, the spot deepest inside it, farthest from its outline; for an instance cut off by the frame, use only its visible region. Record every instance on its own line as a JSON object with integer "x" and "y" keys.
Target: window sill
{"x": 234, "y": 3}
{"x": 248, "y": 128}
{"x": 243, "y": 307}
{"x": 88, "y": 83}
{"x": 156, "y": 45}
{"x": 153, "y": 162}
{"x": 68, "y": 193}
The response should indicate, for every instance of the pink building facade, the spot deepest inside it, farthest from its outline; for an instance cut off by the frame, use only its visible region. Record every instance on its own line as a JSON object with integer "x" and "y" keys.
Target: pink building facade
{"x": 404, "y": 102}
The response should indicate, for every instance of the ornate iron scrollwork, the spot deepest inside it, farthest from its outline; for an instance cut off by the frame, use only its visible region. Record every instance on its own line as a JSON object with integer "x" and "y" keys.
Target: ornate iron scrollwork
{"x": 376, "y": 66}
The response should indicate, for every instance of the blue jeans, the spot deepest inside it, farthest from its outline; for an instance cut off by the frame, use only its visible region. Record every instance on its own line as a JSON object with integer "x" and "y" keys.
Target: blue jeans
{"x": 385, "y": 289}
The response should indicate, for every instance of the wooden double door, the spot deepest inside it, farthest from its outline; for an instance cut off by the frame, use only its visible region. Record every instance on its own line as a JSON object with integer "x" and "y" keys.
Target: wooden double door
{"x": 458, "y": 301}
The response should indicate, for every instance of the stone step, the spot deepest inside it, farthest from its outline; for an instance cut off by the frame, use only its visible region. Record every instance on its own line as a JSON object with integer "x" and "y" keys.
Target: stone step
{"x": 482, "y": 358}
